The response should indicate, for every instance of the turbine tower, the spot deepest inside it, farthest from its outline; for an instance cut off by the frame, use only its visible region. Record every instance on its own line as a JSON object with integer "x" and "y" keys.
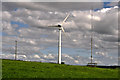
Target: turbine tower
{"x": 61, "y": 29}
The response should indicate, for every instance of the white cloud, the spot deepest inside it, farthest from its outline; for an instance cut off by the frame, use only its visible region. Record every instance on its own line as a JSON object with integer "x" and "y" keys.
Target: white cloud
{"x": 101, "y": 53}
{"x": 68, "y": 59}
{"x": 49, "y": 56}
{"x": 94, "y": 17}
{"x": 36, "y": 56}
{"x": 6, "y": 15}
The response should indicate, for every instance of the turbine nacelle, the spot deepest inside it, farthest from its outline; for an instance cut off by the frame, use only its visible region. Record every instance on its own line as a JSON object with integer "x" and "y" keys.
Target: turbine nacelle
{"x": 59, "y": 25}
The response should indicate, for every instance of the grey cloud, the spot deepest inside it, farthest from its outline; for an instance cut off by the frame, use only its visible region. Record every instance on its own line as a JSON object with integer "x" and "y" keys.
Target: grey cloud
{"x": 58, "y": 1}
{"x": 108, "y": 24}
{"x": 111, "y": 38}
{"x": 52, "y": 6}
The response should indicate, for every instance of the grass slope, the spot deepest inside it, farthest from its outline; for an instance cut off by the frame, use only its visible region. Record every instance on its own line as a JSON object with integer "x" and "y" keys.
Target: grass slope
{"x": 24, "y": 69}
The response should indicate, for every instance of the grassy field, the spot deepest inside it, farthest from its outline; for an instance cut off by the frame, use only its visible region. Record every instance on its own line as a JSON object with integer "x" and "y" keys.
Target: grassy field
{"x": 24, "y": 69}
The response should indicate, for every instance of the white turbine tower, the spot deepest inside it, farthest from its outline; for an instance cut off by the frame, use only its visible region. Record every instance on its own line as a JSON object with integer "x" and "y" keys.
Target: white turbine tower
{"x": 60, "y": 26}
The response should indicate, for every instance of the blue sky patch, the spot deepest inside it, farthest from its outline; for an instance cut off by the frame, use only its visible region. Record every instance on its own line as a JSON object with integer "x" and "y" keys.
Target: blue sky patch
{"x": 105, "y": 5}
{"x": 15, "y": 9}
{"x": 20, "y": 24}
{"x": 0, "y": 33}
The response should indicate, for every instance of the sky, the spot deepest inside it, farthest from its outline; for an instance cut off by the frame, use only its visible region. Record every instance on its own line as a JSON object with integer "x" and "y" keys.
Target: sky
{"x": 27, "y": 23}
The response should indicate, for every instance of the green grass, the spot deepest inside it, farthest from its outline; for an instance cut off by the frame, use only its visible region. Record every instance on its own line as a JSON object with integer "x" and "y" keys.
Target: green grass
{"x": 24, "y": 69}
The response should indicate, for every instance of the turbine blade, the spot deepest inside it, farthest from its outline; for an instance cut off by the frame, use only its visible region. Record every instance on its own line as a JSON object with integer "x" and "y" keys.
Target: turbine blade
{"x": 66, "y": 18}
{"x": 64, "y": 32}
{"x": 68, "y": 36}
{"x": 53, "y": 26}
{"x": 62, "y": 29}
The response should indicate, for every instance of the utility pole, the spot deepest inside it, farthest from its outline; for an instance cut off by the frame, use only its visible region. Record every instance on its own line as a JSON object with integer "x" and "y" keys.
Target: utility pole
{"x": 15, "y": 49}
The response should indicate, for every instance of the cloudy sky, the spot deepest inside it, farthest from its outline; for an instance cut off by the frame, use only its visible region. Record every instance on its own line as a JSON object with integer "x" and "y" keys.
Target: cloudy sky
{"x": 27, "y": 23}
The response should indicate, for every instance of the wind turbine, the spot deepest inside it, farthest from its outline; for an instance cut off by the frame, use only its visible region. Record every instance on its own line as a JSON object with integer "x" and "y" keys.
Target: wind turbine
{"x": 60, "y": 26}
